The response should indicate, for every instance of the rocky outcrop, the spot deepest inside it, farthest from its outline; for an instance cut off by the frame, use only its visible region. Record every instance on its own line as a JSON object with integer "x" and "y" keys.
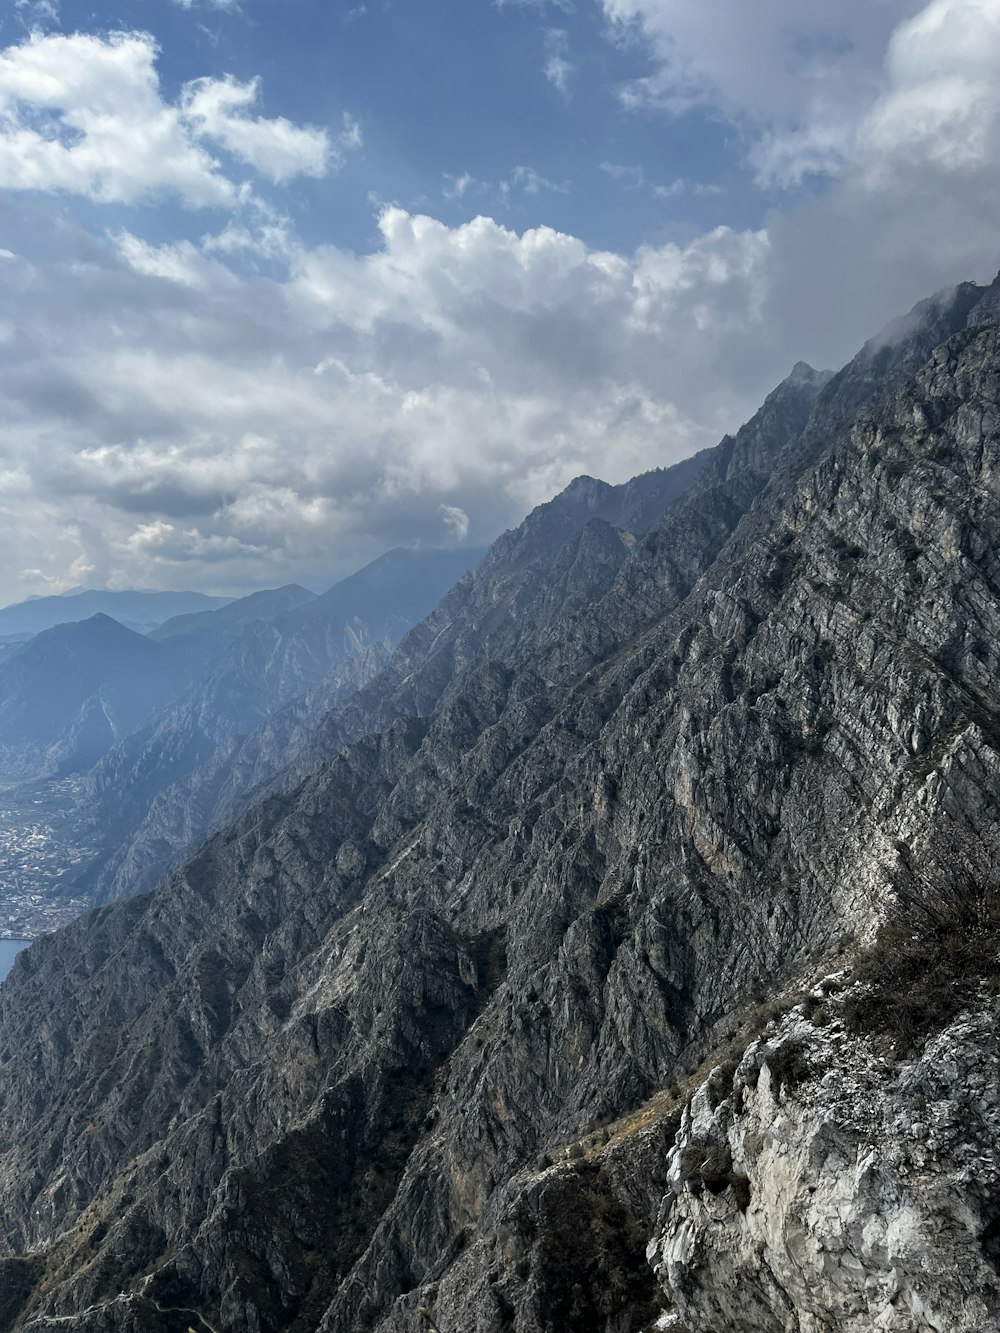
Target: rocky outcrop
{"x": 352, "y": 1058}
{"x": 831, "y": 1186}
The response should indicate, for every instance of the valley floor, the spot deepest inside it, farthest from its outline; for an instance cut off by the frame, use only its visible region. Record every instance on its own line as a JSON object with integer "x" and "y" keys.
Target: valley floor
{"x": 43, "y": 844}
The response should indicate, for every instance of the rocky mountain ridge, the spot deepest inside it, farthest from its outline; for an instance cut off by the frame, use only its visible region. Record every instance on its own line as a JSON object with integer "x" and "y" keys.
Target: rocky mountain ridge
{"x": 536, "y": 562}
{"x": 180, "y": 775}
{"x": 353, "y": 1059}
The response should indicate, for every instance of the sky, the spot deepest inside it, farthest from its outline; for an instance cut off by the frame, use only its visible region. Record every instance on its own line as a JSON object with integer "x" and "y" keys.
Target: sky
{"x": 284, "y": 283}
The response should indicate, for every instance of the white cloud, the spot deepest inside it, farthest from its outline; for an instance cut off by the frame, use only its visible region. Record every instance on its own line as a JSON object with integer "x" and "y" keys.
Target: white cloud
{"x": 820, "y": 89}
{"x": 633, "y": 177}
{"x": 182, "y": 262}
{"x": 558, "y": 68}
{"x": 458, "y": 185}
{"x": 217, "y": 109}
{"x": 523, "y": 179}
{"x": 794, "y": 74}
{"x": 226, "y": 6}
{"x": 567, "y": 6}
{"x": 36, "y": 13}
{"x": 456, "y": 522}
{"x": 767, "y": 62}
{"x": 941, "y": 107}
{"x": 682, "y": 186}
{"x": 533, "y": 182}
{"x": 86, "y": 115}
{"x": 226, "y": 429}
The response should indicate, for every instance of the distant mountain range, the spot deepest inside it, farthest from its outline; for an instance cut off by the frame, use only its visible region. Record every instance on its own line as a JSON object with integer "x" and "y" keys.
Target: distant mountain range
{"x": 70, "y": 692}
{"x": 165, "y": 725}
{"x": 238, "y": 721}
{"x": 138, "y": 610}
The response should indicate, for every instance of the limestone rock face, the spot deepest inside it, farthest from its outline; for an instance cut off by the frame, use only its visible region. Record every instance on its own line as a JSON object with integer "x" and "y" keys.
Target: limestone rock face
{"x": 360, "y": 1053}
{"x": 864, "y": 1193}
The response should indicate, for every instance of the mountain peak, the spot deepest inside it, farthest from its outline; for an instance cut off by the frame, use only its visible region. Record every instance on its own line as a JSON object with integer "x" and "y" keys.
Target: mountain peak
{"x": 987, "y": 308}
{"x": 585, "y": 489}
{"x": 803, "y": 373}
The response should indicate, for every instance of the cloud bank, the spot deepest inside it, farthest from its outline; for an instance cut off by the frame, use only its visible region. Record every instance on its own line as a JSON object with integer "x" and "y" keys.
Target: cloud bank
{"x": 242, "y": 407}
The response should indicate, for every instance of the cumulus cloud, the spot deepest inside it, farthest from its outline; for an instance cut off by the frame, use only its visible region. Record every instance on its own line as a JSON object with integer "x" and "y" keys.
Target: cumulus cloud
{"x": 792, "y": 73}
{"x": 895, "y": 105}
{"x": 86, "y": 115}
{"x": 233, "y": 430}
{"x": 170, "y": 415}
{"x": 217, "y": 109}
{"x": 941, "y": 106}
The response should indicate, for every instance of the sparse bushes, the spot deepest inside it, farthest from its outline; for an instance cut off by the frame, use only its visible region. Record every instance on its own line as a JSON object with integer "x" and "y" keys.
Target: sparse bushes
{"x": 789, "y": 1064}
{"x": 922, "y": 972}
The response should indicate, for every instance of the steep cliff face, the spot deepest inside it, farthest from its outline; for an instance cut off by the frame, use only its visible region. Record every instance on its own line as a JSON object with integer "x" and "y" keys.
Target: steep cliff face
{"x": 566, "y": 550}
{"x": 833, "y": 1187}
{"x": 355, "y": 1056}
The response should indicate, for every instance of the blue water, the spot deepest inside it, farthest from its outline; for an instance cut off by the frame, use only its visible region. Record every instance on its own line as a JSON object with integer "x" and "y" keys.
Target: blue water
{"x": 8, "y": 950}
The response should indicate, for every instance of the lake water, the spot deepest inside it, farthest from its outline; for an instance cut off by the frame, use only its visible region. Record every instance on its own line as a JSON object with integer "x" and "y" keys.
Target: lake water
{"x": 8, "y": 950}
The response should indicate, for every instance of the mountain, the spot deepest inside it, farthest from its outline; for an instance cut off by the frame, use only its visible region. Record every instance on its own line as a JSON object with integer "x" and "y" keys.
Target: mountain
{"x": 70, "y": 692}
{"x": 203, "y": 635}
{"x": 646, "y": 897}
{"x": 142, "y": 610}
{"x": 235, "y": 616}
{"x": 176, "y": 817}
{"x": 158, "y": 793}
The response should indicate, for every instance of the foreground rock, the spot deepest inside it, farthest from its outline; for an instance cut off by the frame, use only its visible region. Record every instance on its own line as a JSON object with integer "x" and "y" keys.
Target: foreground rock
{"x": 834, "y": 1188}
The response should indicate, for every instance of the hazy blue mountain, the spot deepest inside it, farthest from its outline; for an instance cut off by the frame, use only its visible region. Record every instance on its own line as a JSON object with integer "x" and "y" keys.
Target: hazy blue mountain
{"x": 172, "y": 779}
{"x": 70, "y": 692}
{"x": 386, "y": 597}
{"x": 201, "y": 636}
{"x": 232, "y": 617}
{"x": 144, "y": 610}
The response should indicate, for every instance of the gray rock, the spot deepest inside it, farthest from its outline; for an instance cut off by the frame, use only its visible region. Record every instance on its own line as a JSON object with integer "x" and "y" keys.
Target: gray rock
{"x": 612, "y": 788}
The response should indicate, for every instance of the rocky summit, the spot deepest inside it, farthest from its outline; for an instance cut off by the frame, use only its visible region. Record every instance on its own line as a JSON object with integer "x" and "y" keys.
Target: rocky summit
{"x": 620, "y": 956}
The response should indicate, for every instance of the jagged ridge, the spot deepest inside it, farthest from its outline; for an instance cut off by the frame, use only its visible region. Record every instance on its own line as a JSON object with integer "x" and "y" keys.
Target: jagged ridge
{"x": 311, "y": 1075}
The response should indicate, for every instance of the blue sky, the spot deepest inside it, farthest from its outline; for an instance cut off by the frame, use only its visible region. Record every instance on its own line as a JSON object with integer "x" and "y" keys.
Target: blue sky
{"x": 283, "y": 283}
{"x": 464, "y": 106}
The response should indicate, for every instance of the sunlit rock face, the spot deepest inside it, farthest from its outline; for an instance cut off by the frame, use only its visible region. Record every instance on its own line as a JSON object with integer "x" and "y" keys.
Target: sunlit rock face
{"x": 842, "y": 1189}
